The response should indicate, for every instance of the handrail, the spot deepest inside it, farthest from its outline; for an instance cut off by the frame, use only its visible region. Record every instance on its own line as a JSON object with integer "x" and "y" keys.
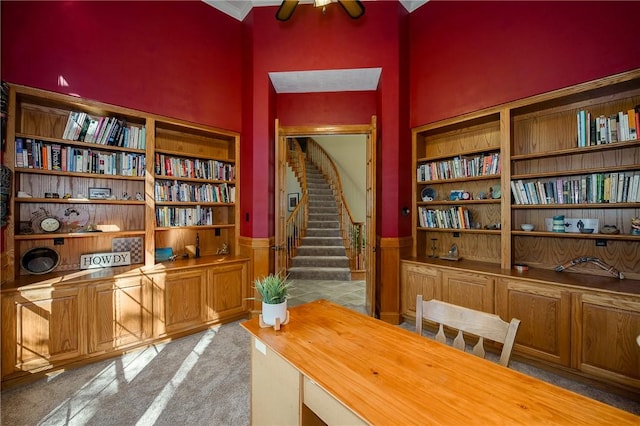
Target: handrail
{"x": 296, "y": 223}
{"x": 352, "y": 232}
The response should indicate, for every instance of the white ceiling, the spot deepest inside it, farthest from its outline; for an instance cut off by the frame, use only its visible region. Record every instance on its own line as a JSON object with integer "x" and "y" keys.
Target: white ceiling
{"x": 342, "y": 80}
{"x": 240, "y": 8}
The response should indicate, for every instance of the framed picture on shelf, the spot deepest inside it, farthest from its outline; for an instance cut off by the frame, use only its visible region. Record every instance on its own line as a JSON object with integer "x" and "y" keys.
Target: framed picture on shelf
{"x": 99, "y": 193}
{"x": 293, "y": 198}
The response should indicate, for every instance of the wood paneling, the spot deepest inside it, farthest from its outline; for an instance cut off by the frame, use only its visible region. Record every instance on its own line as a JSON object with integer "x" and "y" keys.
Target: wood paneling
{"x": 388, "y": 284}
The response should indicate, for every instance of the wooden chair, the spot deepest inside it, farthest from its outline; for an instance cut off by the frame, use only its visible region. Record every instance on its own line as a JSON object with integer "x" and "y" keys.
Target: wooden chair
{"x": 477, "y": 323}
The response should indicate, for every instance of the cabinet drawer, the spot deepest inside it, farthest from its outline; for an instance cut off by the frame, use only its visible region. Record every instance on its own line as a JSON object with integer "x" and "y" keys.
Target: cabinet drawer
{"x": 329, "y": 409}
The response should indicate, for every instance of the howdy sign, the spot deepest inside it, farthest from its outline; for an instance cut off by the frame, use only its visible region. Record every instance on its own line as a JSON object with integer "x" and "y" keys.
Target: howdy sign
{"x": 103, "y": 260}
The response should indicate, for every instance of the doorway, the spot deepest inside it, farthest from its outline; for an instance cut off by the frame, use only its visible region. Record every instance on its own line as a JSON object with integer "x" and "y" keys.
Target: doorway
{"x": 282, "y": 199}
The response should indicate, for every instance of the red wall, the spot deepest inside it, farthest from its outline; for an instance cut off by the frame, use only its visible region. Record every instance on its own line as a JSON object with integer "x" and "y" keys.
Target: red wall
{"x": 471, "y": 55}
{"x": 180, "y": 59}
{"x": 340, "y": 108}
{"x": 313, "y": 41}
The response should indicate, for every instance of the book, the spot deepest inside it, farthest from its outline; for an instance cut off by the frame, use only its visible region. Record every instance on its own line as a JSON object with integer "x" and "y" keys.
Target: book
{"x": 633, "y": 189}
{"x": 19, "y": 153}
{"x": 619, "y": 193}
{"x": 56, "y": 157}
{"x": 631, "y": 124}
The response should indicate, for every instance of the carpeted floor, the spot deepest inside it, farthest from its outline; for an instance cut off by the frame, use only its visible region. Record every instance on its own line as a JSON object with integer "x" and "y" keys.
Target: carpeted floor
{"x": 202, "y": 379}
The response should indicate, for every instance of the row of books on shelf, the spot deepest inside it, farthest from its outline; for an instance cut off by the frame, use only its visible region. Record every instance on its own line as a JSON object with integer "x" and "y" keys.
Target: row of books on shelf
{"x": 615, "y": 187}
{"x": 111, "y": 131}
{"x": 166, "y": 165}
{"x": 36, "y": 154}
{"x": 184, "y": 216}
{"x": 460, "y": 167}
{"x": 619, "y": 127}
{"x": 188, "y": 192}
{"x": 456, "y": 217}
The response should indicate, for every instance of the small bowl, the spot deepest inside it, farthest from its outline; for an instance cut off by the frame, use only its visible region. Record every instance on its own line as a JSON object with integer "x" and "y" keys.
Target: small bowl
{"x": 586, "y": 231}
{"x": 527, "y": 226}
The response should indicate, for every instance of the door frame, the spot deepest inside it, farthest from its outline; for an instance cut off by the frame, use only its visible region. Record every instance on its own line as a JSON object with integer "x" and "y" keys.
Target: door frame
{"x": 370, "y": 131}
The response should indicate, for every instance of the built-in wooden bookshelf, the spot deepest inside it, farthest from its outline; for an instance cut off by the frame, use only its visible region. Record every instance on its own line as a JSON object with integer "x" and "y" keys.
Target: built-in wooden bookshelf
{"x": 101, "y": 188}
{"x": 92, "y": 167}
{"x": 584, "y": 319}
{"x": 538, "y": 142}
{"x": 196, "y": 181}
{"x": 457, "y": 188}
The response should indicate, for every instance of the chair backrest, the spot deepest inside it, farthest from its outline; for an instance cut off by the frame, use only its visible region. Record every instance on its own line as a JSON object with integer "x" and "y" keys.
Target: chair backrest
{"x": 465, "y": 320}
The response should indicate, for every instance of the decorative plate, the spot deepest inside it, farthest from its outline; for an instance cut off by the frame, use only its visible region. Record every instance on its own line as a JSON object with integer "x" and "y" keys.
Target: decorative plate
{"x": 72, "y": 219}
{"x": 40, "y": 260}
{"x": 428, "y": 194}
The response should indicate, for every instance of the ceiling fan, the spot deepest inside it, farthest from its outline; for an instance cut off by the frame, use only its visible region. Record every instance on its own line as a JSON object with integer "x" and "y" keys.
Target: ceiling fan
{"x": 354, "y": 8}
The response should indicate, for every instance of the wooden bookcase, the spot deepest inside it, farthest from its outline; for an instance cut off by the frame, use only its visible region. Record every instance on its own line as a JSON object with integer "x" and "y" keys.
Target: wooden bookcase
{"x": 39, "y": 119}
{"x": 73, "y": 315}
{"x": 196, "y": 176}
{"x": 572, "y": 321}
{"x": 455, "y": 154}
{"x": 544, "y": 149}
{"x": 536, "y": 141}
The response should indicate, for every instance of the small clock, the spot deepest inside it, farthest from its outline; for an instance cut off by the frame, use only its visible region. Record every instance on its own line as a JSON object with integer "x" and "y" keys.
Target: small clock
{"x": 50, "y": 224}
{"x": 43, "y": 221}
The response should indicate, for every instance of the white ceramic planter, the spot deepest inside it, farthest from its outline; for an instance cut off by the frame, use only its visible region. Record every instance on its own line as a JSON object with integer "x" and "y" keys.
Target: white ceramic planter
{"x": 271, "y": 312}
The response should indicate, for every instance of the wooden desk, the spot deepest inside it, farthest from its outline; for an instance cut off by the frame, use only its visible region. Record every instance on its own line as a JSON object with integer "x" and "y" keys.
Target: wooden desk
{"x": 334, "y": 364}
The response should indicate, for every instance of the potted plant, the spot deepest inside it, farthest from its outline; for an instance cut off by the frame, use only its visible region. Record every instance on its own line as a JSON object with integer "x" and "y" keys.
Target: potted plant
{"x": 273, "y": 290}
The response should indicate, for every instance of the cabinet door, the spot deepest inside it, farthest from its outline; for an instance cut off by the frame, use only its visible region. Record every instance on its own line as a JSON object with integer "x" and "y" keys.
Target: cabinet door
{"x": 227, "y": 294}
{"x": 606, "y": 328}
{"x": 473, "y": 291}
{"x": 119, "y": 314}
{"x": 179, "y": 300}
{"x": 41, "y": 328}
{"x": 545, "y": 318}
{"x": 419, "y": 279}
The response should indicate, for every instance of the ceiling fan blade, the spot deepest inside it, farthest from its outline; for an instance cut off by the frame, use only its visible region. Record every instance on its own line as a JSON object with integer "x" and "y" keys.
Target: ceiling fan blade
{"x": 354, "y": 8}
{"x": 286, "y": 10}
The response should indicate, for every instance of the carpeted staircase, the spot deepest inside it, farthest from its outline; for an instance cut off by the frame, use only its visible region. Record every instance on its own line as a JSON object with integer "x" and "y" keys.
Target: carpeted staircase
{"x": 322, "y": 255}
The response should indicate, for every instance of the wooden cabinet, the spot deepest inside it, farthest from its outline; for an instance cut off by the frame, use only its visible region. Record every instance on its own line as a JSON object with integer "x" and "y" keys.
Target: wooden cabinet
{"x": 119, "y": 314}
{"x": 47, "y": 326}
{"x": 567, "y": 321}
{"x": 42, "y": 328}
{"x": 179, "y": 300}
{"x": 226, "y": 294}
{"x": 418, "y": 279}
{"x": 544, "y": 312}
{"x": 606, "y": 327}
{"x": 471, "y": 290}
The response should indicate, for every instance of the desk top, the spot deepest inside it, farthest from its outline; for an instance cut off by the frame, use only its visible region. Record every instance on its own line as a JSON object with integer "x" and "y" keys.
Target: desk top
{"x": 388, "y": 375}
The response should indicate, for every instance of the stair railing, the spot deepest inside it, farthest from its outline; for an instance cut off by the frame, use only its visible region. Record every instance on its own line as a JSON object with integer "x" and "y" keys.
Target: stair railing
{"x": 353, "y": 233}
{"x": 296, "y": 223}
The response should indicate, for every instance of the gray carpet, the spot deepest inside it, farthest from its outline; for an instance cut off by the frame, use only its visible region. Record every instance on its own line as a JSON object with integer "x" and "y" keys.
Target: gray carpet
{"x": 202, "y": 379}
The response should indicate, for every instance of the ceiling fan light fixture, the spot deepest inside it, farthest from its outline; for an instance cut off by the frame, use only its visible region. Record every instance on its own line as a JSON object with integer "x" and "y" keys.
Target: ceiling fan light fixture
{"x": 354, "y": 8}
{"x": 321, "y": 3}
{"x": 286, "y": 10}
